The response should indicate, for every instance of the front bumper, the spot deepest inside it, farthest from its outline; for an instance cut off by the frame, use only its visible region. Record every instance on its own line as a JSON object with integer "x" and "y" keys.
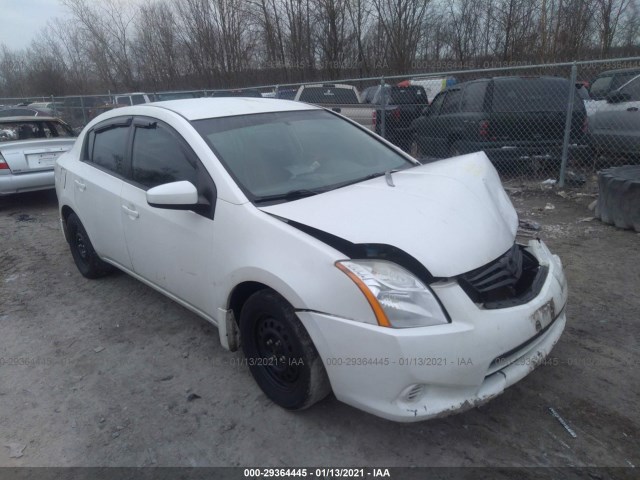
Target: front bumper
{"x": 26, "y": 182}
{"x": 419, "y": 373}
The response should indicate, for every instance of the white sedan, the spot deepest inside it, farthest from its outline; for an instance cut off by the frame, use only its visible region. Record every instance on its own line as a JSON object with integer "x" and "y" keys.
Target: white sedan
{"x": 333, "y": 259}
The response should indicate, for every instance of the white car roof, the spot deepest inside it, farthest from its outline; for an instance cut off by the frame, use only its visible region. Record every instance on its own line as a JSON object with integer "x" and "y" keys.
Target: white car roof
{"x": 199, "y": 108}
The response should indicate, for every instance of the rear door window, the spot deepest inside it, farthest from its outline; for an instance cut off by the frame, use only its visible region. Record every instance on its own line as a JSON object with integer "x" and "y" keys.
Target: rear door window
{"x": 106, "y": 147}
{"x": 530, "y": 95}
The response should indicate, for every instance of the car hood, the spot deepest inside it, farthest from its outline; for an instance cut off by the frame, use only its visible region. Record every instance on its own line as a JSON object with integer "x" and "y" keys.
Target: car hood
{"x": 452, "y": 215}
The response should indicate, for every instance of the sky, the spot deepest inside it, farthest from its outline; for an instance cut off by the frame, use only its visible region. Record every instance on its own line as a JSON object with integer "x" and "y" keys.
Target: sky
{"x": 21, "y": 20}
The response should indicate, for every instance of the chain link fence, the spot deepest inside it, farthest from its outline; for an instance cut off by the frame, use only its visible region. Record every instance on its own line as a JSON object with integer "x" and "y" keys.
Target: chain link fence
{"x": 550, "y": 122}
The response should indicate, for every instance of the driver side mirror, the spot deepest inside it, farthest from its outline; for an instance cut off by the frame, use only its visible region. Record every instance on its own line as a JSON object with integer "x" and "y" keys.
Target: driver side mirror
{"x": 425, "y": 111}
{"x": 181, "y": 195}
{"x": 337, "y": 109}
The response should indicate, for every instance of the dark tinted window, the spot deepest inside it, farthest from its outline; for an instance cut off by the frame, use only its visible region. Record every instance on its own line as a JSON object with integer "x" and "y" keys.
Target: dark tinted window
{"x": 621, "y": 78}
{"x": 473, "y": 97}
{"x": 413, "y": 95}
{"x": 632, "y": 89}
{"x": 530, "y": 95}
{"x": 18, "y": 112}
{"x": 286, "y": 94}
{"x": 451, "y": 102}
{"x": 123, "y": 101}
{"x": 600, "y": 87}
{"x": 137, "y": 99}
{"x": 329, "y": 95}
{"x": 434, "y": 109}
{"x": 107, "y": 148}
{"x": 159, "y": 157}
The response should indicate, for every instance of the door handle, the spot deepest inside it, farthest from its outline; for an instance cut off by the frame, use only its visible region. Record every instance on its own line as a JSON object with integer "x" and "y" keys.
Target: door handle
{"x": 632, "y": 109}
{"x": 130, "y": 211}
{"x": 81, "y": 186}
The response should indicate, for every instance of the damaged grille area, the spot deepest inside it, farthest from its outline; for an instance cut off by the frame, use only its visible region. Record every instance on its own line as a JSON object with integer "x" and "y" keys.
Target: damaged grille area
{"x": 512, "y": 279}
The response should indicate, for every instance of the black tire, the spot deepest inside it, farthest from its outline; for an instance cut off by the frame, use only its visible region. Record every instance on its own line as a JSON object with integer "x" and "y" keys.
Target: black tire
{"x": 280, "y": 353}
{"x": 86, "y": 258}
{"x": 619, "y": 197}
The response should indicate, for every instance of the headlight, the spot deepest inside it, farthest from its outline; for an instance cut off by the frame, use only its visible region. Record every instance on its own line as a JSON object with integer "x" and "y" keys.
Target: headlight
{"x": 397, "y": 297}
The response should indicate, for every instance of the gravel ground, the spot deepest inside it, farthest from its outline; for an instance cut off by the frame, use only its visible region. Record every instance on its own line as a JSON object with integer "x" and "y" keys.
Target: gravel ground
{"x": 109, "y": 372}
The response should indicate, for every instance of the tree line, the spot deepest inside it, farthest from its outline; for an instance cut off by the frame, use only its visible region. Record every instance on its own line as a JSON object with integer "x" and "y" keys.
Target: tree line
{"x": 119, "y": 46}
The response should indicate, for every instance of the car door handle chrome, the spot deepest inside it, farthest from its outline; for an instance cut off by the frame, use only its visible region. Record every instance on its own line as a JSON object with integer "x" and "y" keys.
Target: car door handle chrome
{"x": 81, "y": 186}
{"x": 130, "y": 211}
{"x": 632, "y": 109}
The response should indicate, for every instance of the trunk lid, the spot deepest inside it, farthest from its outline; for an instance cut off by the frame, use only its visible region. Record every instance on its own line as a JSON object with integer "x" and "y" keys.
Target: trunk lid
{"x": 32, "y": 155}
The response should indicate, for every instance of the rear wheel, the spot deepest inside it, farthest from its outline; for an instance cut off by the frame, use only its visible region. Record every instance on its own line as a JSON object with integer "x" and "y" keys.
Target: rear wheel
{"x": 280, "y": 353}
{"x": 84, "y": 255}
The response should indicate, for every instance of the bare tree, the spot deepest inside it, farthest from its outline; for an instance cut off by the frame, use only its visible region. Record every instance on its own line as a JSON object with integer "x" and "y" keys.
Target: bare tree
{"x": 401, "y": 21}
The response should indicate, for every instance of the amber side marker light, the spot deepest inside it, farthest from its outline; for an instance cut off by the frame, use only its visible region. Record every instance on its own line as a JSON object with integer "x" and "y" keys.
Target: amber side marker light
{"x": 381, "y": 317}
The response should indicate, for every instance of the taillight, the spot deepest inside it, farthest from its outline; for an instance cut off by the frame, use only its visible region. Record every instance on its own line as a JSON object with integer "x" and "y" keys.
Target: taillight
{"x": 585, "y": 125}
{"x": 396, "y": 114}
{"x": 3, "y": 163}
{"x": 483, "y": 129}
{"x": 373, "y": 118}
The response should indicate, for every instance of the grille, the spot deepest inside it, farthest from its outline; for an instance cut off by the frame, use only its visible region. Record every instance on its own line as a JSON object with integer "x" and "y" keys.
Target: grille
{"x": 511, "y": 279}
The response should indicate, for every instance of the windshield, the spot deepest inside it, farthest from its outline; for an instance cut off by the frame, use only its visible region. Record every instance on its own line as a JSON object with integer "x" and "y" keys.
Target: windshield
{"x": 281, "y": 156}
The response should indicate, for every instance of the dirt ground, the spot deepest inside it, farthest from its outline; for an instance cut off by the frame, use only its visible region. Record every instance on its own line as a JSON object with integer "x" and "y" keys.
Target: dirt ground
{"x": 109, "y": 372}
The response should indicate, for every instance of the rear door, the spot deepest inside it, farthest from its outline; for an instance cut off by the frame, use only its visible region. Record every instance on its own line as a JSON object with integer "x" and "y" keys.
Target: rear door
{"x": 97, "y": 182}
{"x": 172, "y": 249}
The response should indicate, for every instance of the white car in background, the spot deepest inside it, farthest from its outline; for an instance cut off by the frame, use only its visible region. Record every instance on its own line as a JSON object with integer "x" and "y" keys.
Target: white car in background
{"x": 29, "y": 147}
{"x": 615, "y": 123}
{"x": 333, "y": 259}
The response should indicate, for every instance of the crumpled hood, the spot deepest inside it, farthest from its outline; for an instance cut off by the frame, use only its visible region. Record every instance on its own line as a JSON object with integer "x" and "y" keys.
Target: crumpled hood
{"x": 452, "y": 215}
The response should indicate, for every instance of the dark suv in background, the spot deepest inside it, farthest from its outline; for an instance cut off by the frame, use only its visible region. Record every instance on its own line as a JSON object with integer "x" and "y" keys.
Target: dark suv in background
{"x": 509, "y": 118}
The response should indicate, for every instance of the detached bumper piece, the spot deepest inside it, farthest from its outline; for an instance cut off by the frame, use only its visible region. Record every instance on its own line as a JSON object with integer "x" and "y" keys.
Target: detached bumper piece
{"x": 512, "y": 279}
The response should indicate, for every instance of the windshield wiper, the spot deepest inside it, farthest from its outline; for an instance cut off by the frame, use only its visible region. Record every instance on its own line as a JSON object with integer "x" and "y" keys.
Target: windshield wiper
{"x": 290, "y": 195}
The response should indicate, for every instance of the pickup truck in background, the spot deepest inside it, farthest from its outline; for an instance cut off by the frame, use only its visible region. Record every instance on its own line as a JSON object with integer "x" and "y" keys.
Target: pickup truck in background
{"x": 402, "y": 105}
{"x": 343, "y": 99}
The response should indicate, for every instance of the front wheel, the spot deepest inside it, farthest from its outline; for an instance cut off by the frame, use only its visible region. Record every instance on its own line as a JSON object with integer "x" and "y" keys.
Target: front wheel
{"x": 280, "y": 353}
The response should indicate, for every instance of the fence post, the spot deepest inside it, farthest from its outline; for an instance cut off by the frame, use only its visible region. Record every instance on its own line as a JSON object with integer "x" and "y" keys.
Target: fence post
{"x": 383, "y": 105}
{"x": 567, "y": 124}
{"x": 84, "y": 114}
